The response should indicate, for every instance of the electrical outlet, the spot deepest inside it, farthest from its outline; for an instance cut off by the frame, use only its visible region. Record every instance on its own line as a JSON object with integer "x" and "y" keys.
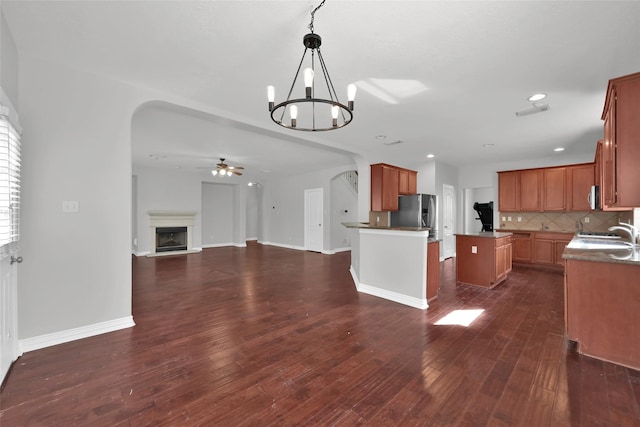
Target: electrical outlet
{"x": 586, "y": 220}
{"x": 504, "y": 218}
{"x": 519, "y": 219}
{"x": 508, "y": 218}
{"x": 474, "y": 249}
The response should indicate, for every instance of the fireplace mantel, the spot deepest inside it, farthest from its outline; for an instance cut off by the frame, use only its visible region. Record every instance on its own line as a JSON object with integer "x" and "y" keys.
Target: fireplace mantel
{"x": 159, "y": 219}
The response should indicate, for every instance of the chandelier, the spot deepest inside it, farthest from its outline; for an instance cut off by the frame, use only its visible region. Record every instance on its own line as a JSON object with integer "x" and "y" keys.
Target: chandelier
{"x": 313, "y": 112}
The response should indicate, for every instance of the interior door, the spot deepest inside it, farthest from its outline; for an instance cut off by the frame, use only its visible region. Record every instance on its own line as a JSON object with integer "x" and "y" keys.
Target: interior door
{"x": 9, "y": 241}
{"x": 8, "y": 313}
{"x": 448, "y": 241}
{"x": 313, "y": 219}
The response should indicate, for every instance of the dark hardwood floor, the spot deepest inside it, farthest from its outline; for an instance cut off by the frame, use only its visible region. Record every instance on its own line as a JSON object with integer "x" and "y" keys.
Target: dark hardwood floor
{"x": 270, "y": 336}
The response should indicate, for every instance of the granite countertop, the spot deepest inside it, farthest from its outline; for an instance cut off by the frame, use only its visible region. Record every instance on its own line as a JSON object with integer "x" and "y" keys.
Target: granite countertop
{"x": 629, "y": 255}
{"x": 366, "y": 225}
{"x": 489, "y": 234}
{"x": 531, "y": 230}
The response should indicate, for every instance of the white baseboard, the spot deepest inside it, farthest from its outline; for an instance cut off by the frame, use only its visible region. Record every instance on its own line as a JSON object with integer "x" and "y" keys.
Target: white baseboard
{"x": 218, "y": 245}
{"x": 335, "y": 251}
{"x": 55, "y": 338}
{"x": 281, "y": 245}
{"x": 387, "y": 294}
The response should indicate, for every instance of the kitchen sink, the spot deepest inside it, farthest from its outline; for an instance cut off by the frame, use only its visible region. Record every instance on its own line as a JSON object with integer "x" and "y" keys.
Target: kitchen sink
{"x": 596, "y": 243}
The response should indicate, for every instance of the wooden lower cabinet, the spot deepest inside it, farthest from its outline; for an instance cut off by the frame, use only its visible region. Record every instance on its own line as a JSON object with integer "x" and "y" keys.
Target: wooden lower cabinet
{"x": 522, "y": 246}
{"x": 433, "y": 270}
{"x": 548, "y": 247}
{"x": 483, "y": 260}
{"x": 601, "y": 310}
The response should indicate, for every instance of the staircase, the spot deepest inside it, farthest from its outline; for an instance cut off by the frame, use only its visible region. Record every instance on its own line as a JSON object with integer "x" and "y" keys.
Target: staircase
{"x": 351, "y": 179}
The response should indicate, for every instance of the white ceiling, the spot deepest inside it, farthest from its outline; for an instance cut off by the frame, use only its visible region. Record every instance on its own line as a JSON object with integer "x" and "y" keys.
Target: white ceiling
{"x": 452, "y": 74}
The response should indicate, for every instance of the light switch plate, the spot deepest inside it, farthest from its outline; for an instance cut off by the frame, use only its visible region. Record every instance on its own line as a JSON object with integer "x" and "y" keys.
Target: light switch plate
{"x": 70, "y": 206}
{"x": 474, "y": 249}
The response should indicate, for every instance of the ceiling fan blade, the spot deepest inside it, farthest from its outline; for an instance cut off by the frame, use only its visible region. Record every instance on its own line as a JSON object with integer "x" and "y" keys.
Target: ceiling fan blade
{"x": 235, "y": 172}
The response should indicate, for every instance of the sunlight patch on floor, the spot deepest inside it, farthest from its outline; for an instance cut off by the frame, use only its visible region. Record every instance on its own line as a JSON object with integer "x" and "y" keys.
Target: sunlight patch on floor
{"x": 460, "y": 317}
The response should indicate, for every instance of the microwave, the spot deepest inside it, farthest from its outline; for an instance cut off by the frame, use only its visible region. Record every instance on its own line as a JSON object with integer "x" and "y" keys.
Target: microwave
{"x": 594, "y": 198}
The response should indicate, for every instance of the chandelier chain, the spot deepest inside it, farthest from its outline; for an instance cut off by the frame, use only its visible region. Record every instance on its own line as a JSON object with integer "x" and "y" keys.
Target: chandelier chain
{"x": 313, "y": 13}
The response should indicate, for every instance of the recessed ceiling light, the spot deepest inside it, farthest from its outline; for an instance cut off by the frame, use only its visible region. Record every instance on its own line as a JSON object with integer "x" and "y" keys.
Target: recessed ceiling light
{"x": 381, "y": 136}
{"x": 537, "y": 97}
{"x": 430, "y": 156}
{"x": 488, "y": 145}
{"x": 558, "y": 149}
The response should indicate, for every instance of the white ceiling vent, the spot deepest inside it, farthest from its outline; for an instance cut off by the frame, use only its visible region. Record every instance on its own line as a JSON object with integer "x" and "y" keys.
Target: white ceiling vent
{"x": 533, "y": 110}
{"x": 393, "y": 142}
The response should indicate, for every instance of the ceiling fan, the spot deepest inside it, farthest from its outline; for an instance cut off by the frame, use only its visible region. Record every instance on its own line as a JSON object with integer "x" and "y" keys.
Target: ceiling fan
{"x": 224, "y": 169}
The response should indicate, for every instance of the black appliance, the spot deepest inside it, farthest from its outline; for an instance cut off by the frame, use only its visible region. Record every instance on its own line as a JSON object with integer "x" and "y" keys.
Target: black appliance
{"x": 485, "y": 213}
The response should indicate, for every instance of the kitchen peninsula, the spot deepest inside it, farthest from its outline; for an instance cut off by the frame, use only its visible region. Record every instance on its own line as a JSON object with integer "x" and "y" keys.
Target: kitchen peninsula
{"x": 391, "y": 263}
{"x": 602, "y": 293}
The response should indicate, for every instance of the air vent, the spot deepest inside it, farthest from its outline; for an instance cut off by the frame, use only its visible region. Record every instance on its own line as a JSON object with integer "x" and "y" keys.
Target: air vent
{"x": 392, "y": 142}
{"x": 533, "y": 110}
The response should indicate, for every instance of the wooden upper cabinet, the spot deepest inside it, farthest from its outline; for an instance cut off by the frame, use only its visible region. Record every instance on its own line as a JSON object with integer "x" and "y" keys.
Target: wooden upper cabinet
{"x": 408, "y": 181}
{"x": 554, "y": 190}
{"x": 621, "y": 150}
{"x": 530, "y": 189}
{"x": 508, "y": 192}
{"x": 580, "y": 178}
{"x": 387, "y": 183}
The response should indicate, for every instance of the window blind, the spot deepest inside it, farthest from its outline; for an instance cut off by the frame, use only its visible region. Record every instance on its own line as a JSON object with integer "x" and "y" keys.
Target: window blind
{"x": 9, "y": 183}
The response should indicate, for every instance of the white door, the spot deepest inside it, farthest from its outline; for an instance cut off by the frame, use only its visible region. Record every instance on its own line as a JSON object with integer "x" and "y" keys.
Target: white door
{"x": 448, "y": 240}
{"x": 313, "y": 219}
{"x": 9, "y": 242}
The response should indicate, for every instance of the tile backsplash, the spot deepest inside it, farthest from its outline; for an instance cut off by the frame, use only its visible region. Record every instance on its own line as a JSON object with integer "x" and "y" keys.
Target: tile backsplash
{"x": 562, "y": 221}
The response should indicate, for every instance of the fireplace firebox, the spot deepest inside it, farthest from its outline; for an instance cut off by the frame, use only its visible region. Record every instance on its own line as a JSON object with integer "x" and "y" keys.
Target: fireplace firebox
{"x": 170, "y": 239}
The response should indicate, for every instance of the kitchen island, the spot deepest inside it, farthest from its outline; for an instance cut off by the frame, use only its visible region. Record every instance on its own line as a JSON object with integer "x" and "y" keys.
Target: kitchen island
{"x": 483, "y": 259}
{"x": 602, "y": 302}
{"x": 391, "y": 263}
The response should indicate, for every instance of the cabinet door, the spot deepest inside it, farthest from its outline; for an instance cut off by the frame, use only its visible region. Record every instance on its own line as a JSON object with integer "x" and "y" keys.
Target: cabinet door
{"x": 508, "y": 256}
{"x": 580, "y": 178}
{"x": 608, "y": 188}
{"x": 554, "y": 189}
{"x": 530, "y": 187}
{"x": 559, "y": 246}
{"x": 626, "y": 141}
{"x": 501, "y": 267}
{"x": 508, "y": 194}
{"x": 413, "y": 182}
{"x": 544, "y": 251}
{"x": 522, "y": 248}
{"x": 390, "y": 178}
{"x": 384, "y": 188}
{"x": 403, "y": 181}
{"x": 433, "y": 269}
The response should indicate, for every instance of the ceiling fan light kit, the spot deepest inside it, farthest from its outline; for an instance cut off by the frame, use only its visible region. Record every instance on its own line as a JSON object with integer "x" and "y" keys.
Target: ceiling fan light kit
{"x": 224, "y": 169}
{"x": 332, "y": 114}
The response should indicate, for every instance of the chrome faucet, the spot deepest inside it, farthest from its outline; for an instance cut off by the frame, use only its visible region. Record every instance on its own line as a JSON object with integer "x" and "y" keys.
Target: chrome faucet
{"x": 627, "y": 228}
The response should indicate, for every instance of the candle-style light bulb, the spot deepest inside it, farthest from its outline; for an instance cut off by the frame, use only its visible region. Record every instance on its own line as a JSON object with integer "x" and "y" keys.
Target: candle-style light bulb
{"x": 293, "y": 112}
{"x": 351, "y": 95}
{"x": 308, "y": 81}
{"x": 334, "y": 115}
{"x": 271, "y": 96}
{"x": 214, "y": 173}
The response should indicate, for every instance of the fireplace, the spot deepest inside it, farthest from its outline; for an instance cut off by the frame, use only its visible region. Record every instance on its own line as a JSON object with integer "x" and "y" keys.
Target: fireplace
{"x": 171, "y": 239}
{"x": 171, "y": 233}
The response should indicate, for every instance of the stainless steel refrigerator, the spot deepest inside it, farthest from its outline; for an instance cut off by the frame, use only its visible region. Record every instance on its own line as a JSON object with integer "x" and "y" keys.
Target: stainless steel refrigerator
{"x": 417, "y": 210}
